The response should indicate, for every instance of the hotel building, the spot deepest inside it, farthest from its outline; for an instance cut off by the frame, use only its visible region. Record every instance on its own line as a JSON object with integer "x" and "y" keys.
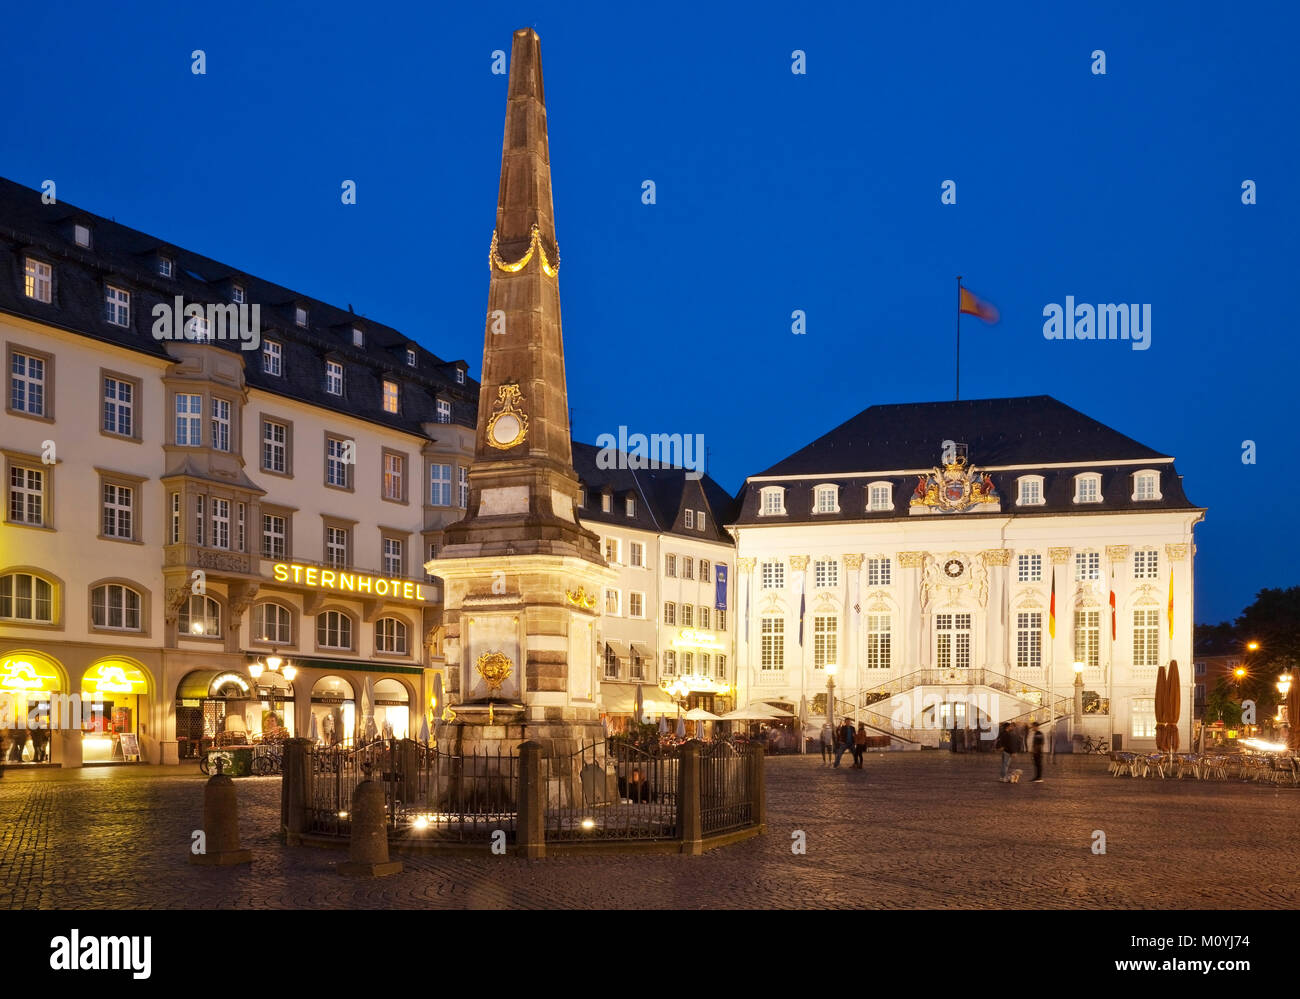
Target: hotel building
{"x": 957, "y": 563}
{"x": 182, "y": 514}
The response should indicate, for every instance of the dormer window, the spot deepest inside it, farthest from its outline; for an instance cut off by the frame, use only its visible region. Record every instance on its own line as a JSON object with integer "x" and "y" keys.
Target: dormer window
{"x": 1146, "y": 485}
{"x": 333, "y": 378}
{"x": 81, "y": 234}
{"x": 1087, "y": 488}
{"x": 165, "y": 266}
{"x": 826, "y": 499}
{"x": 772, "y": 501}
{"x": 358, "y": 338}
{"x": 392, "y": 397}
{"x": 443, "y": 411}
{"x": 460, "y": 376}
{"x": 606, "y": 503}
{"x": 880, "y": 496}
{"x": 690, "y": 520}
{"x": 1029, "y": 490}
{"x": 300, "y": 316}
{"x": 237, "y": 294}
{"x": 410, "y": 357}
{"x": 38, "y": 280}
{"x": 629, "y": 506}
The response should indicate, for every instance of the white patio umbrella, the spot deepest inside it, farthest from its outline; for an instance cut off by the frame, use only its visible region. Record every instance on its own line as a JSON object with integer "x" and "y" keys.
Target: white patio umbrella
{"x": 681, "y": 728}
{"x": 424, "y": 731}
{"x": 663, "y": 724}
{"x": 699, "y": 714}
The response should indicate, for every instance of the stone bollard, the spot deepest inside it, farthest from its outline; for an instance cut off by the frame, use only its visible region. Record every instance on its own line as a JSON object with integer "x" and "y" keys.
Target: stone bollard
{"x": 368, "y": 846}
{"x": 530, "y": 825}
{"x": 221, "y": 824}
{"x": 295, "y": 790}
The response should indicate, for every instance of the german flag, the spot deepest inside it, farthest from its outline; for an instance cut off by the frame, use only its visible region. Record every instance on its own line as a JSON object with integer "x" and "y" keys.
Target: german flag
{"x": 1051, "y": 610}
{"x": 973, "y": 306}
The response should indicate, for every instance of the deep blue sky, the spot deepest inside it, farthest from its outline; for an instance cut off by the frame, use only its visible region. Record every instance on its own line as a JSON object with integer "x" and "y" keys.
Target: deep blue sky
{"x": 775, "y": 192}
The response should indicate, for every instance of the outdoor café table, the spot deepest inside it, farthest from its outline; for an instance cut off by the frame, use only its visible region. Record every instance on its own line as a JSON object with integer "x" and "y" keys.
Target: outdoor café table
{"x": 1188, "y": 762}
{"x": 1154, "y": 761}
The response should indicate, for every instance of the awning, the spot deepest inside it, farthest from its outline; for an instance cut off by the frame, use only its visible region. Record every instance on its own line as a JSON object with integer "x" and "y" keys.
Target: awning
{"x": 643, "y": 652}
{"x": 620, "y": 699}
{"x": 198, "y": 684}
{"x": 620, "y": 648}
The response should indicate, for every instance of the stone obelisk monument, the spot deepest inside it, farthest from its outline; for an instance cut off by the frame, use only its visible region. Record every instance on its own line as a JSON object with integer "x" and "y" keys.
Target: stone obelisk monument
{"x": 523, "y": 581}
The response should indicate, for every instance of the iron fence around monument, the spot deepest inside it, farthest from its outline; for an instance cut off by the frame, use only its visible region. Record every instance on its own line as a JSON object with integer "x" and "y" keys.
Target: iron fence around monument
{"x": 609, "y": 791}
{"x": 726, "y": 788}
{"x": 612, "y": 790}
{"x": 428, "y": 794}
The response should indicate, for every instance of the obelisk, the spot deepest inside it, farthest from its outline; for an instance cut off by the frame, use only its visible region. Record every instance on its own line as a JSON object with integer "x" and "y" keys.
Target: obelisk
{"x": 523, "y": 581}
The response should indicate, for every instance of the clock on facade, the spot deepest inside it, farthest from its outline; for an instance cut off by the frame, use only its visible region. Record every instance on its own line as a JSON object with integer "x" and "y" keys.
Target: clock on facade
{"x": 953, "y": 567}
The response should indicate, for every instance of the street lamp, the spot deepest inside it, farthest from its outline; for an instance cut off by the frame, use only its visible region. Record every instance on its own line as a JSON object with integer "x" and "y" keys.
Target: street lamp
{"x": 1078, "y": 692}
{"x": 831, "y": 670}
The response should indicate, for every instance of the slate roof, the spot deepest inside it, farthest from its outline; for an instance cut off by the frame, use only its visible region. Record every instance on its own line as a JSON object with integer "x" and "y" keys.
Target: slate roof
{"x": 128, "y": 258}
{"x": 1037, "y": 432}
{"x": 663, "y": 496}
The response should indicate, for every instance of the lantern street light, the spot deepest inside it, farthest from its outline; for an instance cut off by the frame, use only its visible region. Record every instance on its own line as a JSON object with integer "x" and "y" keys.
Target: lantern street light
{"x": 831, "y": 670}
{"x": 1078, "y": 692}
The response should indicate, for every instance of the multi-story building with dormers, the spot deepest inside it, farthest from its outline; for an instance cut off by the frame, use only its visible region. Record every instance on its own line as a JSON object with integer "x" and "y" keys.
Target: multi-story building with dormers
{"x": 667, "y": 619}
{"x": 954, "y": 563}
{"x": 180, "y": 514}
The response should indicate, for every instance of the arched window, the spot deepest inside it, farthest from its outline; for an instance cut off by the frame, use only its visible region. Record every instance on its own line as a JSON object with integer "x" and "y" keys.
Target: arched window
{"x": 390, "y": 635}
{"x": 1087, "y": 487}
{"x": 1146, "y": 485}
{"x": 773, "y": 501}
{"x": 333, "y": 630}
{"x": 26, "y": 597}
{"x": 200, "y": 617}
{"x": 115, "y": 606}
{"x": 826, "y": 499}
{"x": 272, "y": 623}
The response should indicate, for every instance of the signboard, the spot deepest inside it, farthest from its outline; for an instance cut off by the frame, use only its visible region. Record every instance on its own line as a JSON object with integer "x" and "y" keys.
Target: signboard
{"x": 347, "y": 582}
{"x": 690, "y": 638}
{"x": 720, "y": 578}
{"x": 130, "y": 745}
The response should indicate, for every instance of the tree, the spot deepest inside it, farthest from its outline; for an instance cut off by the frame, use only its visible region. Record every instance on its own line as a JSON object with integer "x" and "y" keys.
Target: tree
{"x": 1221, "y": 705}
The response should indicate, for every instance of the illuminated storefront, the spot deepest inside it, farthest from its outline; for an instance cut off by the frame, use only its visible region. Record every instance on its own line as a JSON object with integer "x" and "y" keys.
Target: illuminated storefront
{"x": 211, "y": 709}
{"x": 333, "y": 711}
{"x": 28, "y": 682}
{"x": 392, "y": 709}
{"x": 114, "y": 696}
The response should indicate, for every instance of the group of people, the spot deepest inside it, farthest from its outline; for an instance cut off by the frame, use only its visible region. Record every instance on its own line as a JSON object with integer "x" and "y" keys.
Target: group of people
{"x": 1011, "y": 742}
{"x": 844, "y": 739}
{"x": 16, "y": 740}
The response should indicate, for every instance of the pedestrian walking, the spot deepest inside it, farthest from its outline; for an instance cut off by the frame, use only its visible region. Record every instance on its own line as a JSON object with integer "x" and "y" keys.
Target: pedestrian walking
{"x": 827, "y": 742}
{"x": 859, "y": 745}
{"x": 844, "y": 740}
{"x": 1038, "y": 741}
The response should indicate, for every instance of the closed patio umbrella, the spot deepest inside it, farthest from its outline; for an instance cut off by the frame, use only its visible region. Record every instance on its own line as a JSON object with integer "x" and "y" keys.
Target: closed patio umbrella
{"x": 1161, "y": 709}
{"x": 663, "y": 724}
{"x": 311, "y": 732}
{"x": 803, "y": 724}
{"x": 681, "y": 728}
{"x": 640, "y": 705}
{"x": 1173, "y": 706}
{"x": 424, "y": 731}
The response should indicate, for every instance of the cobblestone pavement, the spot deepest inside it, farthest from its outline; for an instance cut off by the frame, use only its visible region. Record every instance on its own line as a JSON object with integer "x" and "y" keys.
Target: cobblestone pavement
{"x": 912, "y": 830}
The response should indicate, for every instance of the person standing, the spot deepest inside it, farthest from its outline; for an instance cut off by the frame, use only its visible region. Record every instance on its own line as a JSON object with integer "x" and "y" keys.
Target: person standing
{"x": 828, "y": 742}
{"x": 859, "y": 745}
{"x": 1038, "y": 741}
{"x": 1005, "y": 741}
{"x": 844, "y": 738}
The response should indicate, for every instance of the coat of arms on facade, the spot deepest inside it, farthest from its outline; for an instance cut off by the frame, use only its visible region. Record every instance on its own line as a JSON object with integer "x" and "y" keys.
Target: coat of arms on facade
{"x": 495, "y": 668}
{"x": 954, "y": 487}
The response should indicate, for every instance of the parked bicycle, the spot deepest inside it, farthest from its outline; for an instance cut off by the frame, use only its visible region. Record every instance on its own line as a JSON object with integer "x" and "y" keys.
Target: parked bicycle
{"x": 1099, "y": 747}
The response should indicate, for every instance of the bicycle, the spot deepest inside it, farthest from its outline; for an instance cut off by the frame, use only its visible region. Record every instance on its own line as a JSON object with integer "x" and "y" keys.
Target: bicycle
{"x": 1099, "y": 747}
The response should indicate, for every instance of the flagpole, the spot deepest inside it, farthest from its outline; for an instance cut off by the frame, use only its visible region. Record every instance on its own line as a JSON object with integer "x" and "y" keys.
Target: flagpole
{"x": 958, "y": 394}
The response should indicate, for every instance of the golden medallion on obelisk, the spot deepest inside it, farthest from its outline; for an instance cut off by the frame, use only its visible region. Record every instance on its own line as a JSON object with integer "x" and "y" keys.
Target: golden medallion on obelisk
{"x": 508, "y": 424}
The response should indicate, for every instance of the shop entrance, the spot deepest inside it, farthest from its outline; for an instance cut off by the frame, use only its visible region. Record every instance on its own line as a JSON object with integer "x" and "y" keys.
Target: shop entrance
{"x": 114, "y": 695}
